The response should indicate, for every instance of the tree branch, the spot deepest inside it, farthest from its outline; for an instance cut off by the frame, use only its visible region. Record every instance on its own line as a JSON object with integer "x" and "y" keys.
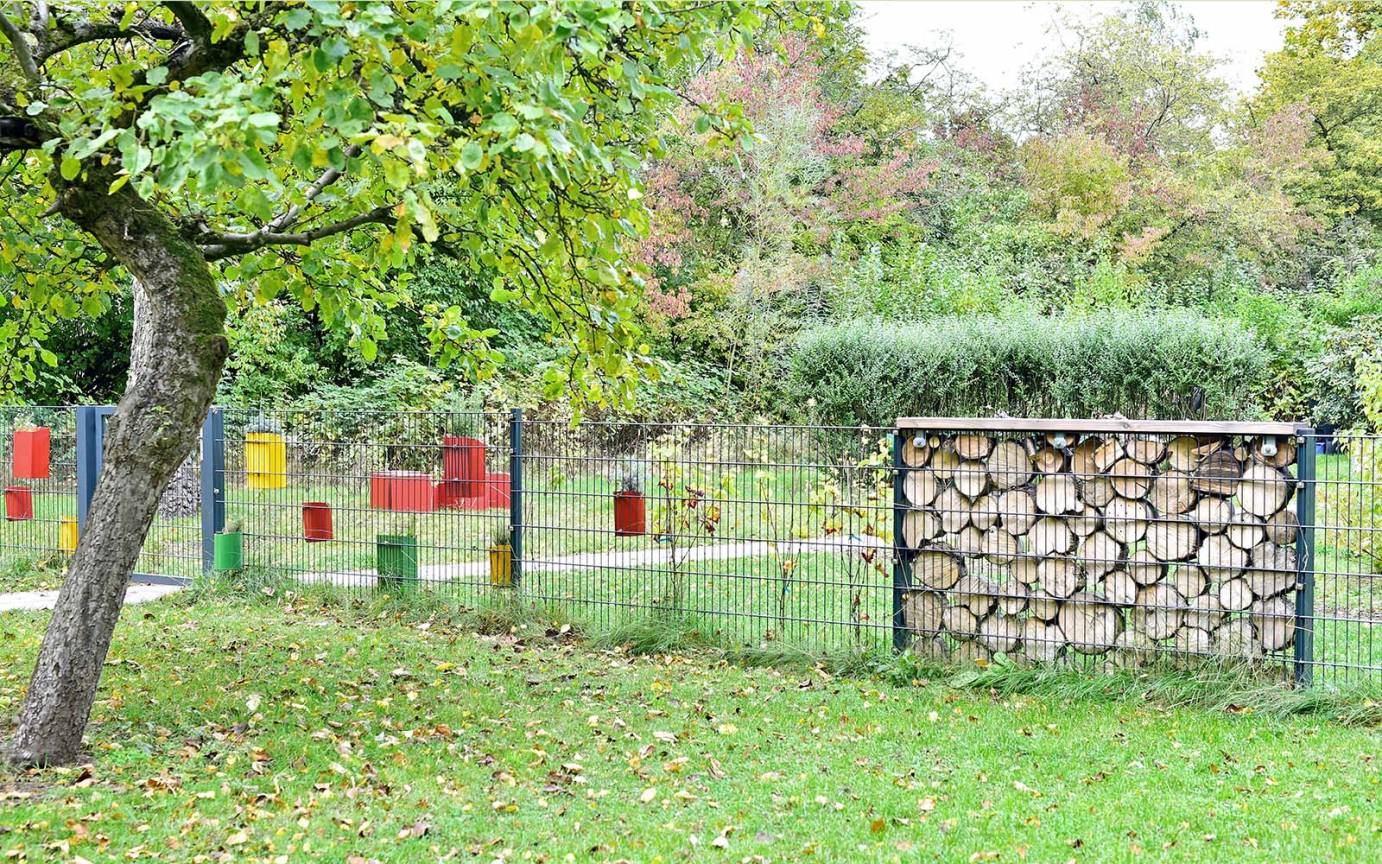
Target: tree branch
{"x": 216, "y": 246}
{"x": 74, "y": 33}
{"x": 21, "y": 48}
{"x": 197, "y": 25}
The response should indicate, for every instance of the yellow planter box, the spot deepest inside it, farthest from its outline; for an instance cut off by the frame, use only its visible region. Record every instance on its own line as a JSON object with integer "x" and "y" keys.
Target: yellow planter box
{"x": 501, "y": 566}
{"x": 266, "y": 460}
{"x": 67, "y": 534}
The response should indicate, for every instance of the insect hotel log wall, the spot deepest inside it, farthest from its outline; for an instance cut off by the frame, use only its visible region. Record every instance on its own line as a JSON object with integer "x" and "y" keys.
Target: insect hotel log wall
{"x": 1054, "y": 538}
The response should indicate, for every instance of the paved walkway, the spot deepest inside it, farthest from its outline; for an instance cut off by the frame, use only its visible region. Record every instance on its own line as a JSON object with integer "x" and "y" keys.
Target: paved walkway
{"x": 32, "y": 601}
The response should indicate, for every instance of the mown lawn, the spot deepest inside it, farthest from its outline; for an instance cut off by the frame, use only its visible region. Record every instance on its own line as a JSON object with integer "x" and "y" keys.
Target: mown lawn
{"x": 266, "y": 731}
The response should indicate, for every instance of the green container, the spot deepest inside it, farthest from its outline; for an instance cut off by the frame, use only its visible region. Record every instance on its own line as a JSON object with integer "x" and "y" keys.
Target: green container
{"x": 396, "y": 561}
{"x": 228, "y": 552}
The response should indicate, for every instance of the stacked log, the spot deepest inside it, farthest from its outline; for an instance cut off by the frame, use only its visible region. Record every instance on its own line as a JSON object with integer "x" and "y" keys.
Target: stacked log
{"x": 1125, "y": 545}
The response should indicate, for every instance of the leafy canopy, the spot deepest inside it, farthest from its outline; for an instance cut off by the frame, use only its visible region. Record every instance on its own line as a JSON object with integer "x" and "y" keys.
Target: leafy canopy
{"x": 317, "y": 150}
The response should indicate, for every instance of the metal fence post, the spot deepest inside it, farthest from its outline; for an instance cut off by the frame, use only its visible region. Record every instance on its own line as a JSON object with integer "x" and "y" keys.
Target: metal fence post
{"x": 89, "y": 441}
{"x": 516, "y": 494}
{"x": 900, "y": 576}
{"x": 1305, "y": 558}
{"x": 213, "y": 469}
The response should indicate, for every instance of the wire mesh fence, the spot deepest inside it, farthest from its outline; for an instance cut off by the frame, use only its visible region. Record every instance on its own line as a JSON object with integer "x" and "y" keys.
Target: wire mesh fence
{"x": 38, "y": 452}
{"x": 1095, "y": 545}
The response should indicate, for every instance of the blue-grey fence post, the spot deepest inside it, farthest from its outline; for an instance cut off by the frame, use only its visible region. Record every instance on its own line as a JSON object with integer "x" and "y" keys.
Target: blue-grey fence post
{"x": 1305, "y": 557}
{"x": 89, "y": 443}
{"x": 516, "y": 494}
{"x": 900, "y": 577}
{"x": 213, "y": 469}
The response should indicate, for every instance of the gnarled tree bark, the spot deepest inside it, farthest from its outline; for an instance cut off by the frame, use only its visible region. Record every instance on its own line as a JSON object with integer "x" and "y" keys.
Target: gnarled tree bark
{"x": 178, "y": 353}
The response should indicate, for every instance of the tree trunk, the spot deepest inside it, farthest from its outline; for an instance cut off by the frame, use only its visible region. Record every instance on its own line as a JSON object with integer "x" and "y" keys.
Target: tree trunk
{"x": 178, "y": 350}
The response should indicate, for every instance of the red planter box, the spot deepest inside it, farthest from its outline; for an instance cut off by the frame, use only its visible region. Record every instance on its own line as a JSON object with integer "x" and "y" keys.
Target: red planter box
{"x": 409, "y": 491}
{"x": 628, "y": 514}
{"x": 499, "y": 490}
{"x": 463, "y": 461}
{"x": 19, "y": 503}
{"x": 30, "y": 453}
{"x": 316, "y": 521}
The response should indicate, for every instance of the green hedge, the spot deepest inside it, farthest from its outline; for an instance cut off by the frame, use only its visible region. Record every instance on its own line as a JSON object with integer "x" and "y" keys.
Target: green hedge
{"x": 1139, "y": 364}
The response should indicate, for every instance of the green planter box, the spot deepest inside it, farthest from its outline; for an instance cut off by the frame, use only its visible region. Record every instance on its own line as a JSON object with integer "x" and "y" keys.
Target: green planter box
{"x": 396, "y": 561}
{"x": 228, "y": 552}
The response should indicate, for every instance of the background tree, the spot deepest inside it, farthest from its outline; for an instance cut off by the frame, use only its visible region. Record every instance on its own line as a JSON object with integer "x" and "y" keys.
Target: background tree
{"x": 227, "y": 154}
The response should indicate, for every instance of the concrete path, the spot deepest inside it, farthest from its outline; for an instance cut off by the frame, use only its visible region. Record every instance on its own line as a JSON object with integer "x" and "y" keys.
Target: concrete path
{"x": 32, "y": 601}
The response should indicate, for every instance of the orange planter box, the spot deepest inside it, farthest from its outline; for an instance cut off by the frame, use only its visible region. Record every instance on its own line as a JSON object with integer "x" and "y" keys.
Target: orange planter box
{"x": 316, "y": 521}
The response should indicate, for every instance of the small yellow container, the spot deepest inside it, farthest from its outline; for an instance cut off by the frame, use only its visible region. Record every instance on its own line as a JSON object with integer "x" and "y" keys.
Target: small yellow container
{"x": 501, "y": 565}
{"x": 266, "y": 460}
{"x": 67, "y": 534}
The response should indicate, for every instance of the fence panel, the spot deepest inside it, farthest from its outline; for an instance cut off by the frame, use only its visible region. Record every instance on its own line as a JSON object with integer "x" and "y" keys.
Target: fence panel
{"x": 38, "y": 448}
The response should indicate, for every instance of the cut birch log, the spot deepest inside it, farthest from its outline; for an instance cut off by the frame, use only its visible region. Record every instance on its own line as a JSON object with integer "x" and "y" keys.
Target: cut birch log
{"x": 1131, "y": 479}
{"x": 1041, "y": 642}
{"x": 1204, "y": 612}
{"x": 999, "y": 546}
{"x": 1172, "y": 540}
{"x": 1263, "y": 490}
{"x": 1193, "y": 640}
{"x": 1125, "y": 519}
{"x": 1217, "y": 474}
{"x": 1171, "y": 494}
{"x": 1049, "y": 536}
{"x": 971, "y": 651}
{"x": 1048, "y": 460}
{"x": 1099, "y": 554}
{"x": 1285, "y": 452}
{"x": 920, "y": 527}
{"x": 1119, "y": 588}
{"x": 1275, "y": 622}
{"x": 1235, "y": 638}
{"x": 1008, "y": 465}
{"x": 983, "y": 513}
{"x": 1181, "y": 453}
{"x": 1246, "y": 530}
{"x": 1269, "y": 556}
{"x": 1189, "y": 580}
{"x": 1094, "y": 455}
{"x": 953, "y": 509}
{"x": 1159, "y": 612}
{"x": 971, "y": 478}
{"x": 1270, "y": 583}
{"x": 1133, "y": 648}
{"x": 936, "y": 568}
{"x": 1220, "y": 559}
{"x": 922, "y": 611}
{"x": 1145, "y": 569}
{"x": 943, "y": 463}
{"x": 1235, "y": 595}
{"x": 920, "y": 486}
{"x": 1012, "y": 598}
{"x": 1090, "y": 625}
{"x": 1282, "y": 526}
{"x": 914, "y": 455}
{"x": 999, "y": 633}
{"x": 1212, "y": 514}
{"x": 1057, "y": 494}
{"x": 1043, "y": 606}
{"x": 1024, "y": 570}
{"x": 1016, "y": 511}
{"x": 959, "y": 622}
{"x": 970, "y": 541}
{"x": 1084, "y": 521}
{"x": 975, "y": 593}
{"x": 1146, "y": 450}
{"x": 1097, "y": 491}
{"x": 973, "y": 445}
{"x": 1059, "y": 577}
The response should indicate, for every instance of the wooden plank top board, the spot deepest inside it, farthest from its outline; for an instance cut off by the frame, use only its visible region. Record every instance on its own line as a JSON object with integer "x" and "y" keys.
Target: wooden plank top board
{"x": 1029, "y": 424}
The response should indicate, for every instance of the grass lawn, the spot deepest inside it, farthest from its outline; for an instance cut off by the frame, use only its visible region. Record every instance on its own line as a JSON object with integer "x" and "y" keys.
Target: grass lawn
{"x": 272, "y": 731}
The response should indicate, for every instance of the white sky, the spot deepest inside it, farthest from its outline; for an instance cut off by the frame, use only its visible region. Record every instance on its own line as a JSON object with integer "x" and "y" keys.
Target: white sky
{"x": 996, "y": 38}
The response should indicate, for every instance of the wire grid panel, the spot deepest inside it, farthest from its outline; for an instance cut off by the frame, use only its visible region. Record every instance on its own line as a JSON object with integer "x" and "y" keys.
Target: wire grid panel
{"x": 173, "y": 546}
{"x": 754, "y": 534}
{"x": 38, "y": 510}
{"x": 1100, "y": 547}
{"x": 341, "y": 497}
{"x": 1347, "y": 565}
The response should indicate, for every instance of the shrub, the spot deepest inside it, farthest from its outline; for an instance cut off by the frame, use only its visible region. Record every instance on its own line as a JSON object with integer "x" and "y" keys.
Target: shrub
{"x": 1140, "y": 364}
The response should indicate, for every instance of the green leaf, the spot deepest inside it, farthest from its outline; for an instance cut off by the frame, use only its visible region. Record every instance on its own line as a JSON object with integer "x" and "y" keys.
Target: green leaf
{"x": 69, "y": 168}
{"x": 472, "y": 155}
